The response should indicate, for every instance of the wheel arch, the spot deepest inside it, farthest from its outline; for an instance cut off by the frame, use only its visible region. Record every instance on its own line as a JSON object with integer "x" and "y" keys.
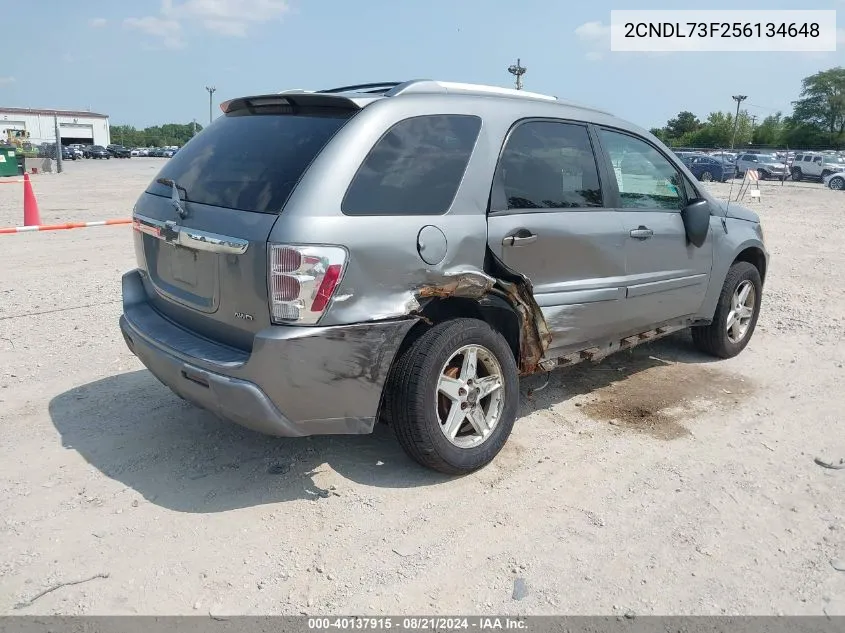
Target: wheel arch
{"x": 490, "y": 308}
{"x": 755, "y": 256}
{"x": 740, "y": 244}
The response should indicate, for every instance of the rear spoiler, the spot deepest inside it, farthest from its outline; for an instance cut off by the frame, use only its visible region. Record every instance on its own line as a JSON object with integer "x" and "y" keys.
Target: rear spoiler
{"x": 296, "y": 100}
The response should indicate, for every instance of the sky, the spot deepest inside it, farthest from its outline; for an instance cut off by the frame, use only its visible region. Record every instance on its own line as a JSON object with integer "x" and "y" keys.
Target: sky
{"x": 148, "y": 62}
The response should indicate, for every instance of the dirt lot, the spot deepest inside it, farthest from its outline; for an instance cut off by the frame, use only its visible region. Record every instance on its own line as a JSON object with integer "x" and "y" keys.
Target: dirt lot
{"x": 657, "y": 482}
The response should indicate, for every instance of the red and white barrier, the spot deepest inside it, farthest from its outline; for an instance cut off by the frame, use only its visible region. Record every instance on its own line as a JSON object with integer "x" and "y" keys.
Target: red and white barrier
{"x": 61, "y": 227}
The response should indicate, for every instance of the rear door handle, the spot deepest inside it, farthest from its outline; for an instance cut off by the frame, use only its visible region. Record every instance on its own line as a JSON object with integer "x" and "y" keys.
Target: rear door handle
{"x": 521, "y": 238}
{"x": 642, "y": 233}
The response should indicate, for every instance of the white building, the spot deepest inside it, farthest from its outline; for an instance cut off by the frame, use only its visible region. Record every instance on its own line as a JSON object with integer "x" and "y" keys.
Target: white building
{"x": 87, "y": 128}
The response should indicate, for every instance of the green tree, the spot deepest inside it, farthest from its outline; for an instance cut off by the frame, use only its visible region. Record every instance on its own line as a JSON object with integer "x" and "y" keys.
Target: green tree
{"x": 154, "y": 136}
{"x": 718, "y": 130}
{"x": 822, "y": 103}
{"x": 770, "y": 131}
{"x": 803, "y": 135}
{"x": 683, "y": 124}
{"x": 661, "y": 134}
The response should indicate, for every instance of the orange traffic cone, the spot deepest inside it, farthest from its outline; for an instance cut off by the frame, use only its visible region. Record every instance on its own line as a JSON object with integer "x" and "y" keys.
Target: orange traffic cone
{"x": 31, "y": 216}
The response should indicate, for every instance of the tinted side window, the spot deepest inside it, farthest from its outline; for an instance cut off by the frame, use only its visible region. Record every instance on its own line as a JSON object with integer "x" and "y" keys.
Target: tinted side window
{"x": 549, "y": 165}
{"x": 415, "y": 168}
{"x": 808, "y": 159}
{"x": 646, "y": 179}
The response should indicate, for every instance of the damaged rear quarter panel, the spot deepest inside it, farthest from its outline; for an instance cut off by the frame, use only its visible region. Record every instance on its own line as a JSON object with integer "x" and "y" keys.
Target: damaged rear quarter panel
{"x": 384, "y": 270}
{"x": 385, "y": 277}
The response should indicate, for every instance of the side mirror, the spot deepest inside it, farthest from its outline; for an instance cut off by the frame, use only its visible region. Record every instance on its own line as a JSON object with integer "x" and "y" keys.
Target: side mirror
{"x": 696, "y": 218}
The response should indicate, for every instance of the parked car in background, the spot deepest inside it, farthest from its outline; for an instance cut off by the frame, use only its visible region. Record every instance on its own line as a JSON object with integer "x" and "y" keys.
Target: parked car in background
{"x": 835, "y": 180}
{"x": 816, "y": 165}
{"x": 294, "y": 276}
{"x": 706, "y": 168}
{"x": 48, "y": 150}
{"x": 767, "y": 166}
{"x": 119, "y": 151}
{"x": 685, "y": 154}
{"x": 726, "y": 156}
{"x": 78, "y": 150}
{"x": 97, "y": 151}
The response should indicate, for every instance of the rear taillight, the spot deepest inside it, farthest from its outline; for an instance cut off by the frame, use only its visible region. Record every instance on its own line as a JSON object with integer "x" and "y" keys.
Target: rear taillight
{"x": 302, "y": 281}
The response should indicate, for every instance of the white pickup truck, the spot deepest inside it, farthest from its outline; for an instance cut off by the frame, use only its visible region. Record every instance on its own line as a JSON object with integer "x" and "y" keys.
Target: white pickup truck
{"x": 816, "y": 166}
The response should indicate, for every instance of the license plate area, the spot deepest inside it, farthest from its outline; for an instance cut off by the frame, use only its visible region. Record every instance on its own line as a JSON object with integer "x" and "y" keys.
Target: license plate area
{"x": 184, "y": 275}
{"x": 183, "y": 266}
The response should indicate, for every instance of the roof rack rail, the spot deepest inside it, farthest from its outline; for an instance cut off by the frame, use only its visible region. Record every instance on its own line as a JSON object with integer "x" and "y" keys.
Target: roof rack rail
{"x": 430, "y": 86}
{"x": 422, "y": 86}
{"x": 371, "y": 88}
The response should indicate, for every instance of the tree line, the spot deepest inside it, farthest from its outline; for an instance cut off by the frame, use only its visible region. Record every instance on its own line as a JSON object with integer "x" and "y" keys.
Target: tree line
{"x": 817, "y": 121}
{"x": 156, "y": 136}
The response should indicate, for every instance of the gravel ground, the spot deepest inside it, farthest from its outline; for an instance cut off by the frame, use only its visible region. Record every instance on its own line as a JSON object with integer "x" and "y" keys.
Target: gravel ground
{"x": 657, "y": 482}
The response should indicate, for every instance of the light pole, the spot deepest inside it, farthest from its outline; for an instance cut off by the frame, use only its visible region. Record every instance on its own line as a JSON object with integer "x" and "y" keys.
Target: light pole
{"x": 211, "y": 91}
{"x": 517, "y": 70}
{"x": 739, "y": 99}
{"x": 58, "y": 144}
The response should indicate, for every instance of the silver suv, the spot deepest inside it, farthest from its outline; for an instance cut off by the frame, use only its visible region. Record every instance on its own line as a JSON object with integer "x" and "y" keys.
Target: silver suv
{"x": 767, "y": 166}
{"x": 314, "y": 262}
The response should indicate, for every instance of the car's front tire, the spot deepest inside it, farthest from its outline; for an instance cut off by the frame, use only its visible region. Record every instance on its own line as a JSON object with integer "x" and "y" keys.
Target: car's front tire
{"x": 453, "y": 396}
{"x": 736, "y": 313}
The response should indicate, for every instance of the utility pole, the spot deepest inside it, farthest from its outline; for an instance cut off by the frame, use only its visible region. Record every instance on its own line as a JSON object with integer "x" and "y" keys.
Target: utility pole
{"x": 739, "y": 99}
{"x": 517, "y": 70}
{"x": 58, "y": 144}
{"x": 211, "y": 91}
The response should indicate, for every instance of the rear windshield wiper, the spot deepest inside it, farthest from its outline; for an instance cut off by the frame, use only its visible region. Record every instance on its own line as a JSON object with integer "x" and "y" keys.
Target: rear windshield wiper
{"x": 175, "y": 200}
{"x": 172, "y": 184}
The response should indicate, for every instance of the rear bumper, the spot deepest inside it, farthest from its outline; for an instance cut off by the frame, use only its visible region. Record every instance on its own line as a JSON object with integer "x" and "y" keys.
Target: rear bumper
{"x": 297, "y": 381}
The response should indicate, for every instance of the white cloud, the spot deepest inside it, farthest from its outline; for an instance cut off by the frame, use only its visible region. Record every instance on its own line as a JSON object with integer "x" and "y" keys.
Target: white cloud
{"x": 97, "y": 23}
{"x": 593, "y": 31}
{"x": 231, "y": 18}
{"x": 596, "y": 36}
{"x": 5, "y": 81}
{"x": 167, "y": 31}
{"x": 226, "y": 17}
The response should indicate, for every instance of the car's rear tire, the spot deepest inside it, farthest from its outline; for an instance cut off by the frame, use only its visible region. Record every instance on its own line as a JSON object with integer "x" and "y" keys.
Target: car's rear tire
{"x": 736, "y": 313}
{"x": 837, "y": 183}
{"x": 440, "y": 417}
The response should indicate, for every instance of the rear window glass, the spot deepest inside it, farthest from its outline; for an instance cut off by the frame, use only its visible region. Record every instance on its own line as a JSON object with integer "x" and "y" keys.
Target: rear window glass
{"x": 247, "y": 161}
{"x": 415, "y": 168}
